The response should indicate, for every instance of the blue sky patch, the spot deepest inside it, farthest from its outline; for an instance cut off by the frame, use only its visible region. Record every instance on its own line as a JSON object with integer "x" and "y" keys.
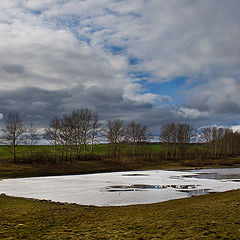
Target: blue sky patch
{"x": 115, "y": 50}
{"x": 133, "y": 61}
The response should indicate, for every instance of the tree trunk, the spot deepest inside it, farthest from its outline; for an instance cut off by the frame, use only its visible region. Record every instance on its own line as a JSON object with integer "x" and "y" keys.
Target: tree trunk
{"x": 85, "y": 150}
{"x": 14, "y": 154}
{"x": 54, "y": 152}
{"x": 91, "y": 150}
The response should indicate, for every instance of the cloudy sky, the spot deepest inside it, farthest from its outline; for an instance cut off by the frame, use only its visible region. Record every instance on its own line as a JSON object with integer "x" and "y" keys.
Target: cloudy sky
{"x": 151, "y": 61}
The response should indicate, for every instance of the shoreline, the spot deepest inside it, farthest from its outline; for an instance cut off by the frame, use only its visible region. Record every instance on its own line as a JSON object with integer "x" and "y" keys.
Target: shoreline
{"x": 92, "y": 167}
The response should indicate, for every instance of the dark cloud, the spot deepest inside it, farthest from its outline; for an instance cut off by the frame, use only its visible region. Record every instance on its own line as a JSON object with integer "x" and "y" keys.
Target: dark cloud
{"x": 34, "y": 104}
{"x": 13, "y": 69}
{"x": 199, "y": 102}
{"x": 227, "y": 107}
{"x": 39, "y": 105}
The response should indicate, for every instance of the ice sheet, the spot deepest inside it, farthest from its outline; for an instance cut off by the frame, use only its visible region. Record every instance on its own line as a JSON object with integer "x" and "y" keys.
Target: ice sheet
{"x": 123, "y": 188}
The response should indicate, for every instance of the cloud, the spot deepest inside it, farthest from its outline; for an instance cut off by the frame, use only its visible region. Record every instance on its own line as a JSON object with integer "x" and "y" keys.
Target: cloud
{"x": 13, "y": 69}
{"x": 171, "y": 39}
{"x": 60, "y": 55}
{"x": 191, "y": 113}
{"x": 236, "y": 128}
{"x": 217, "y": 96}
{"x": 227, "y": 107}
{"x": 39, "y": 105}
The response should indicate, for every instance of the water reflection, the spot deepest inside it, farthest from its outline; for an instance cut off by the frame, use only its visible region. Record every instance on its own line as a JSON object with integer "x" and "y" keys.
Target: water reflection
{"x": 197, "y": 192}
{"x": 188, "y": 189}
{"x": 231, "y": 174}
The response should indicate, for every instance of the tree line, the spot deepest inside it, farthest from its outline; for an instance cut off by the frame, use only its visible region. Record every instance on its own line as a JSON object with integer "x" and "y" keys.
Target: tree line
{"x": 71, "y": 133}
{"x": 74, "y": 135}
{"x": 217, "y": 142}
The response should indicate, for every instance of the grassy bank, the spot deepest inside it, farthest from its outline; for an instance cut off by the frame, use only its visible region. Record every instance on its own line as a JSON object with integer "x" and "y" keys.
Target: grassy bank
{"x": 10, "y": 170}
{"x": 212, "y": 216}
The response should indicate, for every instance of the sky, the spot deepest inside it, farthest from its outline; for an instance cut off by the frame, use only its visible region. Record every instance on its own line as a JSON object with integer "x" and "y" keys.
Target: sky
{"x": 152, "y": 61}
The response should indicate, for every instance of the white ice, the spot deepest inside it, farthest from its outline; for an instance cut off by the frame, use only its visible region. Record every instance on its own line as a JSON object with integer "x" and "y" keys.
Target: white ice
{"x": 91, "y": 189}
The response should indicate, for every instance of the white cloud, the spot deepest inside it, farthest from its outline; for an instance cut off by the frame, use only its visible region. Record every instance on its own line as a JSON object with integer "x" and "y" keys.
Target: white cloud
{"x": 191, "y": 113}
{"x": 59, "y": 45}
{"x": 172, "y": 39}
{"x": 236, "y": 128}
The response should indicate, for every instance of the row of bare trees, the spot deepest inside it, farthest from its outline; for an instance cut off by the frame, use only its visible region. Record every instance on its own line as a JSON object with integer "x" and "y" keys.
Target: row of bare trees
{"x": 15, "y": 133}
{"x": 73, "y": 132}
{"x": 218, "y": 141}
{"x": 176, "y": 135}
{"x": 134, "y": 134}
{"x": 74, "y": 135}
{"x": 82, "y": 128}
{"x": 221, "y": 141}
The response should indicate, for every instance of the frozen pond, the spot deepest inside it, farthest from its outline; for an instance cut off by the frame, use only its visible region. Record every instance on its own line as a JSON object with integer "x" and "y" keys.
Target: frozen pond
{"x": 124, "y": 188}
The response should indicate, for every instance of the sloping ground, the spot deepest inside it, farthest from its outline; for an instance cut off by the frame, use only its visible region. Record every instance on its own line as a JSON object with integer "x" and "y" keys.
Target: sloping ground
{"x": 11, "y": 170}
{"x": 213, "y": 216}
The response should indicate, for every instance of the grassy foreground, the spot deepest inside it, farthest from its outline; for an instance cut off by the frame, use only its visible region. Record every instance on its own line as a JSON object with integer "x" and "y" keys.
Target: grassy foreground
{"x": 212, "y": 216}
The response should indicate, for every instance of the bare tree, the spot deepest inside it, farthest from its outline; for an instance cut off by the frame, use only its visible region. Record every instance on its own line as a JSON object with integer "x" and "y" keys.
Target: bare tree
{"x": 136, "y": 134}
{"x": 85, "y": 122}
{"x": 184, "y": 134}
{"x": 95, "y": 130}
{"x": 206, "y": 135}
{"x": 146, "y": 136}
{"x": 230, "y": 142}
{"x": 212, "y": 136}
{"x": 114, "y": 133}
{"x": 67, "y": 135}
{"x": 82, "y": 120}
{"x": 217, "y": 134}
{"x": 32, "y": 138}
{"x": 53, "y": 134}
{"x": 72, "y": 131}
{"x": 133, "y": 135}
{"x": 77, "y": 128}
{"x": 168, "y": 135}
{"x": 12, "y": 132}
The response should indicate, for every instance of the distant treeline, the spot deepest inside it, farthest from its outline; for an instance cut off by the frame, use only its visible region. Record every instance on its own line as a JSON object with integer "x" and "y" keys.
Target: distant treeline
{"x": 74, "y": 136}
{"x": 218, "y": 142}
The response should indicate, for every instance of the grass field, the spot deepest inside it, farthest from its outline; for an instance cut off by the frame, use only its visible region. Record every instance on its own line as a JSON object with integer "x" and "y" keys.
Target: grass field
{"x": 99, "y": 149}
{"x": 212, "y": 216}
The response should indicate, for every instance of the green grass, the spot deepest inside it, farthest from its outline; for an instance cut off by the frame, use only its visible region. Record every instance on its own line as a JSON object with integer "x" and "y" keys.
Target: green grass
{"x": 22, "y": 151}
{"x": 212, "y": 216}
{"x": 99, "y": 149}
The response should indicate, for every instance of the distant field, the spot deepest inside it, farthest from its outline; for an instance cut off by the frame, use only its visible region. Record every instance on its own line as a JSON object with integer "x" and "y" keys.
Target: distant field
{"x": 212, "y": 216}
{"x": 99, "y": 149}
{"x": 43, "y": 163}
